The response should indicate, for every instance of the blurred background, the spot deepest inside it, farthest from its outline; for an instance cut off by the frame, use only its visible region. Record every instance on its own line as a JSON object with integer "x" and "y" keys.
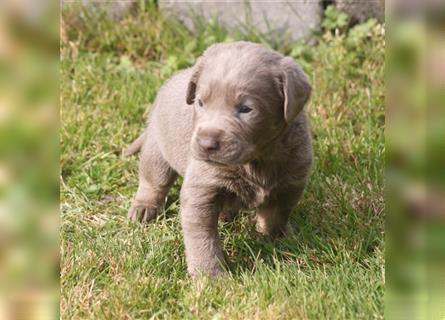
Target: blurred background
{"x": 29, "y": 144}
{"x": 29, "y": 169}
{"x": 415, "y": 175}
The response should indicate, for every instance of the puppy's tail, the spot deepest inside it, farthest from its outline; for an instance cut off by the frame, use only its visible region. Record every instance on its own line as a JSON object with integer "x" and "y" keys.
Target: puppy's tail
{"x": 135, "y": 146}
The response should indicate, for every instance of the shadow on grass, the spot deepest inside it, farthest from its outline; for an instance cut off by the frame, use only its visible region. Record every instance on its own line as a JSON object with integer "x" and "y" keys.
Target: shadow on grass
{"x": 321, "y": 237}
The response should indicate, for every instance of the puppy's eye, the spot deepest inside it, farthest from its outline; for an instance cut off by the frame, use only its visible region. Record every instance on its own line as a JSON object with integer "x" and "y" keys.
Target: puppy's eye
{"x": 244, "y": 109}
{"x": 200, "y": 103}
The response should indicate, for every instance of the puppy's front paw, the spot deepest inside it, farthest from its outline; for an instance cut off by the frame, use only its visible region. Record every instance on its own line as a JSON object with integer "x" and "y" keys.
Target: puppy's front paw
{"x": 141, "y": 213}
{"x": 215, "y": 273}
{"x": 276, "y": 232}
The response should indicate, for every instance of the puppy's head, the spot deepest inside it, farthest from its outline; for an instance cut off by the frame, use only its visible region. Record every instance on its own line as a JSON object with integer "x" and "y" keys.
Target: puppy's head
{"x": 244, "y": 95}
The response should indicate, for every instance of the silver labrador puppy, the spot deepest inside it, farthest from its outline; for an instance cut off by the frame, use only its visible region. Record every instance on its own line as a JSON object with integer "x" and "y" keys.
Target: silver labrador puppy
{"x": 234, "y": 126}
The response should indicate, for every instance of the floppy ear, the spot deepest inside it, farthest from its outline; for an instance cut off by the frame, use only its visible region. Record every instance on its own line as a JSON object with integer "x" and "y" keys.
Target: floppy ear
{"x": 296, "y": 88}
{"x": 191, "y": 88}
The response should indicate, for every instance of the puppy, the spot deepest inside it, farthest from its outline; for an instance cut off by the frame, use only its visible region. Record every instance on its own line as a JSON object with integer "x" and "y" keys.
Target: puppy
{"x": 234, "y": 126}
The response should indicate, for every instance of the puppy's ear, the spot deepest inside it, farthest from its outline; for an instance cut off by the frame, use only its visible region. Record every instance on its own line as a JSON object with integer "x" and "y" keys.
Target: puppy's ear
{"x": 191, "y": 88}
{"x": 296, "y": 88}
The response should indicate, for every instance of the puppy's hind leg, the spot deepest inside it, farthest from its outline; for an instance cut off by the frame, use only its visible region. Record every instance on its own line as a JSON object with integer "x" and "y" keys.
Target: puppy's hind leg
{"x": 272, "y": 218}
{"x": 155, "y": 179}
{"x": 226, "y": 216}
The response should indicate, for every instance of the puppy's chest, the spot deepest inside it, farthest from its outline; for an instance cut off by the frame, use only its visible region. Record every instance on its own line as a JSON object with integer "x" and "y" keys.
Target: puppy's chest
{"x": 252, "y": 188}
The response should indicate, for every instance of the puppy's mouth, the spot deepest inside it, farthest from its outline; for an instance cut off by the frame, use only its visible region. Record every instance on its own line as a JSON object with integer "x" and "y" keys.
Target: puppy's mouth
{"x": 214, "y": 159}
{"x": 215, "y": 163}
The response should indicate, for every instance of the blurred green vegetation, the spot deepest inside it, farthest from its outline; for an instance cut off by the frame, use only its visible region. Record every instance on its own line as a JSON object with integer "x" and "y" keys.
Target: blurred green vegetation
{"x": 29, "y": 162}
{"x": 415, "y": 188}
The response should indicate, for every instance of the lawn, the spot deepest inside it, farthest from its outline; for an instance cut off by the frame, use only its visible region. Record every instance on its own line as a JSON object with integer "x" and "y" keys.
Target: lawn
{"x": 332, "y": 267}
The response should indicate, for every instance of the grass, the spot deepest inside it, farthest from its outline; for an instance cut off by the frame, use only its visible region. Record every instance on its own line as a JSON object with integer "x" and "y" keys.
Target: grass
{"x": 333, "y": 267}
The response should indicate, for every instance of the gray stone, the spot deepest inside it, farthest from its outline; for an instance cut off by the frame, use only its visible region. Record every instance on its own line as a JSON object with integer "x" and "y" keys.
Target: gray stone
{"x": 362, "y": 10}
{"x": 115, "y": 9}
{"x": 298, "y": 18}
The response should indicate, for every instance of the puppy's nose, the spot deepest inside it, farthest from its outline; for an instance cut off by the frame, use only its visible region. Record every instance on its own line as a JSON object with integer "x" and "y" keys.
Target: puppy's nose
{"x": 209, "y": 140}
{"x": 208, "y": 143}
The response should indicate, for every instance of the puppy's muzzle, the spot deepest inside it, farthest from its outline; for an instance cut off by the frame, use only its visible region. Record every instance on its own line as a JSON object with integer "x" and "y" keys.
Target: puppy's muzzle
{"x": 209, "y": 141}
